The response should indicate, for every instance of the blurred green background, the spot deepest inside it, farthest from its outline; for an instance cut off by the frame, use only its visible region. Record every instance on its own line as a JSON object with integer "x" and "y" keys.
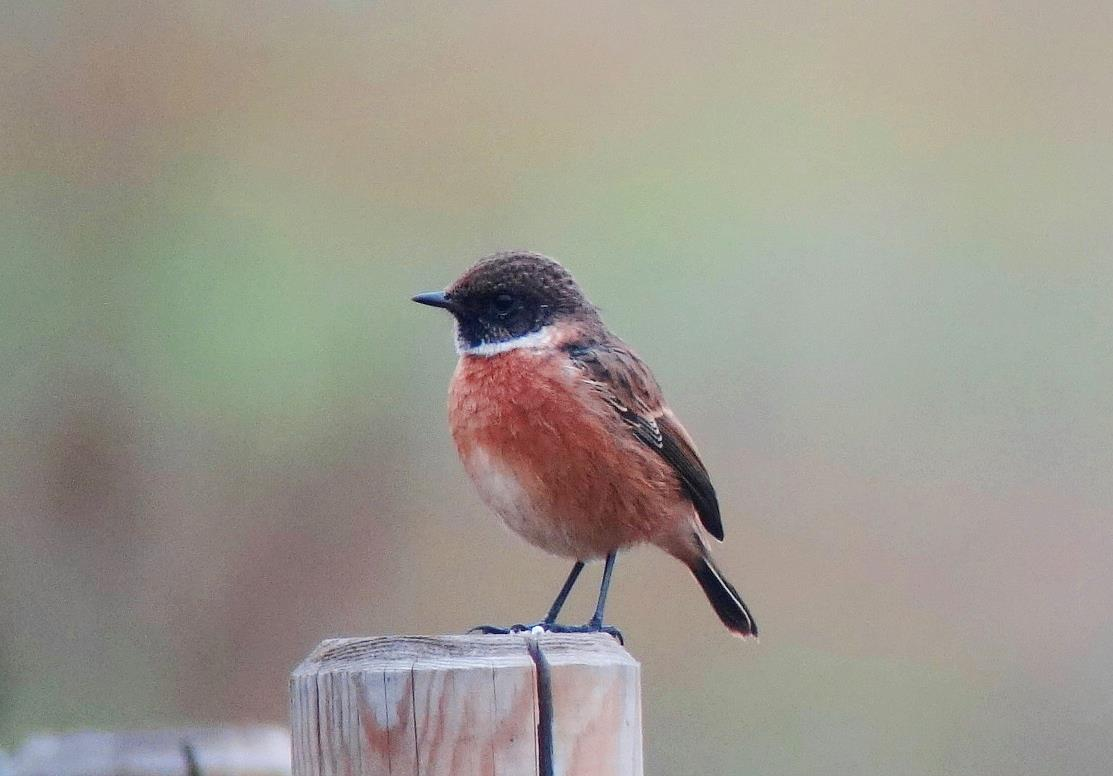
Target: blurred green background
{"x": 866, "y": 248}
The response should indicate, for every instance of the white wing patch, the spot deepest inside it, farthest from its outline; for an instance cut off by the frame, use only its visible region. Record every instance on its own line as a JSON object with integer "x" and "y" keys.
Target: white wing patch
{"x": 642, "y": 421}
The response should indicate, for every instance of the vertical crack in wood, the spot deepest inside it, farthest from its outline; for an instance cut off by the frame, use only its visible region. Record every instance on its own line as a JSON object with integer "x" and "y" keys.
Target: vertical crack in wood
{"x": 494, "y": 716}
{"x": 190, "y": 756}
{"x": 544, "y": 708}
{"x": 387, "y": 725}
{"x": 319, "y": 767}
{"x": 413, "y": 712}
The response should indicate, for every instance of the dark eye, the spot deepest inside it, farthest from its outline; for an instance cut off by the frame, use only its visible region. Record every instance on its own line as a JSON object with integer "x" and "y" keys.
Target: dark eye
{"x": 503, "y": 305}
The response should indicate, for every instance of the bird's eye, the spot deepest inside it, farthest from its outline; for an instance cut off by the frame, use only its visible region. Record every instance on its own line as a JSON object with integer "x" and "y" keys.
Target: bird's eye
{"x": 503, "y": 305}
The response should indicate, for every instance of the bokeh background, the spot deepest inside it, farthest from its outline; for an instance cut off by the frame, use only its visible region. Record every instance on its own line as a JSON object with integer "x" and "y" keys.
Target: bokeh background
{"x": 866, "y": 247}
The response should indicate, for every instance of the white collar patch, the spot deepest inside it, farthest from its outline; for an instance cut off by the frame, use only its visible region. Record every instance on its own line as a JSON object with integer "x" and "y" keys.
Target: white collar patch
{"x": 535, "y": 339}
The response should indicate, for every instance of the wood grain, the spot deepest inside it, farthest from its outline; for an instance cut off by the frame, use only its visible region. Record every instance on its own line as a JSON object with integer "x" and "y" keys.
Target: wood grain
{"x": 462, "y": 705}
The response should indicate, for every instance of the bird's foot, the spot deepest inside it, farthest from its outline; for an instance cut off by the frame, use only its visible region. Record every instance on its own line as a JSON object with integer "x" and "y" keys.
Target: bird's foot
{"x": 591, "y": 627}
{"x": 551, "y": 627}
{"x": 495, "y": 630}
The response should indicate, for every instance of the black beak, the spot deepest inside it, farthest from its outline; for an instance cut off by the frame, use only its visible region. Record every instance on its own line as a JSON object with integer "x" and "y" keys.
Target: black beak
{"x": 434, "y": 299}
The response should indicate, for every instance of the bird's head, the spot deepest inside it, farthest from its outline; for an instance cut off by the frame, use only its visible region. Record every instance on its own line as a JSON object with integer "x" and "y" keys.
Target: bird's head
{"x": 511, "y": 300}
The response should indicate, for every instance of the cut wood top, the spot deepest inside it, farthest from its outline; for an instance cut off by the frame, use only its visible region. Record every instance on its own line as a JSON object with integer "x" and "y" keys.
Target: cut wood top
{"x": 404, "y": 652}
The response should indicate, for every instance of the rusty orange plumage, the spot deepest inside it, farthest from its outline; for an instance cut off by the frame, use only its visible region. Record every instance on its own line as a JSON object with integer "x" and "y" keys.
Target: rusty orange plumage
{"x": 565, "y": 432}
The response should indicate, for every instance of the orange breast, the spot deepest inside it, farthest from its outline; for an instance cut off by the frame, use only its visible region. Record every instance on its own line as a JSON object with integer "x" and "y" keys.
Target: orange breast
{"x": 554, "y": 461}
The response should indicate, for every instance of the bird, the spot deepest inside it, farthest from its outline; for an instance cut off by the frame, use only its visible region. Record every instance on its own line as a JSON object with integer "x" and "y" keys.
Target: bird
{"x": 567, "y": 437}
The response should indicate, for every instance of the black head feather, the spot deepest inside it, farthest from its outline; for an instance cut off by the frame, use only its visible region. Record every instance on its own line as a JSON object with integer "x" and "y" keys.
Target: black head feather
{"x": 512, "y": 294}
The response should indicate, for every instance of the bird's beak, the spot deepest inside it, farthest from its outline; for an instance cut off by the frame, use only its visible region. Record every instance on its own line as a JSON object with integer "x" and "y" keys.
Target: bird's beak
{"x": 434, "y": 299}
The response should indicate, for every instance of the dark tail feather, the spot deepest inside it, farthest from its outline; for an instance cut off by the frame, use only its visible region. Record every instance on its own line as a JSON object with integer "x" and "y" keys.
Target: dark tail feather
{"x": 723, "y": 597}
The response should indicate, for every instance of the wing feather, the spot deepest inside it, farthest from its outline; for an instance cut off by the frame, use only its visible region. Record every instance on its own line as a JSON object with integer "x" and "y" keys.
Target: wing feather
{"x": 627, "y": 385}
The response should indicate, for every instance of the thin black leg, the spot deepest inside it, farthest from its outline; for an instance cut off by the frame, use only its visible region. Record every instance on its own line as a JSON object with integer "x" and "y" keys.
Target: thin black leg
{"x": 595, "y": 625}
{"x": 608, "y": 568}
{"x": 558, "y": 604}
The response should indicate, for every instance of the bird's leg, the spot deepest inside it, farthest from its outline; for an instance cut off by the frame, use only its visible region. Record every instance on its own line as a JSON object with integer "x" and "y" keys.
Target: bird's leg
{"x": 554, "y": 610}
{"x": 558, "y": 604}
{"x": 596, "y": 620}
{"x": 595, "y": 624}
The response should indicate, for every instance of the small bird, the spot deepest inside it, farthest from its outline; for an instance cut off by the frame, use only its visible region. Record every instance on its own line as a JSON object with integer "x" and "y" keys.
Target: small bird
{"x": 566, "y": 434}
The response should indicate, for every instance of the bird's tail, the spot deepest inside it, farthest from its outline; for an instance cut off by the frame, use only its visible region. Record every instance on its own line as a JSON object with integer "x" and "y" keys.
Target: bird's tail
{"x": 723, "y": 597}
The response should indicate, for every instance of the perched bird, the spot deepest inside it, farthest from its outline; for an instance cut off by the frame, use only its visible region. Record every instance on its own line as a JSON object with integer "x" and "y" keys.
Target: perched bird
{"x": 566, "y": 435}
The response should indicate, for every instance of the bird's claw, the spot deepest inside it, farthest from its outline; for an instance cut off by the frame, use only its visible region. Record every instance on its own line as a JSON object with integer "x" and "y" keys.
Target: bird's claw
{"x": 495, "y": 630}
{"x": 551, "y": 627}
{"x": 590, "y": 627}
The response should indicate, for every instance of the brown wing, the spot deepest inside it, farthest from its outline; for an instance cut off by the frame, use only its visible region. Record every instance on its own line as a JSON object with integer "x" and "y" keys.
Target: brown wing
{"x": 626, "y": 384}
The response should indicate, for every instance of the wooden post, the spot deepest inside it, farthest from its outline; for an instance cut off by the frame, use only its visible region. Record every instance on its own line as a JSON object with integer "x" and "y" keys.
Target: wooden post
{"x": 258, "y": 750}
{"x": 471, "y": 705}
